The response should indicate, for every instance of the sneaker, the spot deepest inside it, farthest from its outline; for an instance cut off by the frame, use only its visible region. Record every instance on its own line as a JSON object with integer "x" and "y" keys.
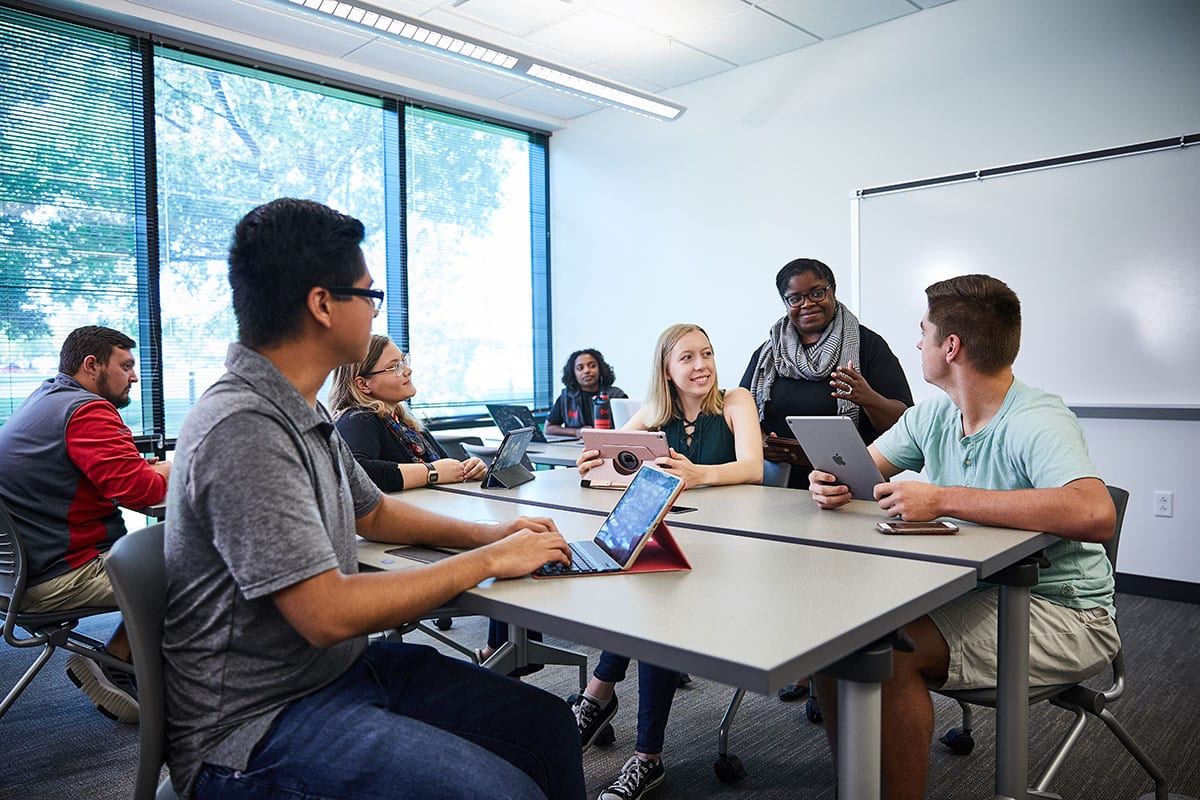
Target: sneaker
{"x": 639, "y": 778}
{"x": 591, "y": 717}
{"x": 113, "y": 691}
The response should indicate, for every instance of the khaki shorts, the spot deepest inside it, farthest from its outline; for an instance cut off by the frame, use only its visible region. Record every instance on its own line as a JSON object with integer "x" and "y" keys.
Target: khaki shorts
{"x": 1065, "y": 644}
{"x": 84, "y": 586}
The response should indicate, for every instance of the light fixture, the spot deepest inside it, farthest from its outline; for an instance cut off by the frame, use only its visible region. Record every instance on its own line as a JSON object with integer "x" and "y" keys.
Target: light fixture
{"x": 433, "y": 39}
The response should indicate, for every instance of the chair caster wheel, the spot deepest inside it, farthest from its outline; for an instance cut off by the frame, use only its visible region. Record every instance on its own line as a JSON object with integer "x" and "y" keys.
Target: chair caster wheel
{"x": 812, "y": 711}
{"x": 444, "y": 623}
{"x": 606, "y": 736}
{"x": 729, "y": 769}
{"x": 958, "y": 741}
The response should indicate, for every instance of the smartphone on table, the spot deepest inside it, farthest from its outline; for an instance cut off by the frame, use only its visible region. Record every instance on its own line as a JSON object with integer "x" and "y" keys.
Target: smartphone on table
{"x": 934, "y": 528}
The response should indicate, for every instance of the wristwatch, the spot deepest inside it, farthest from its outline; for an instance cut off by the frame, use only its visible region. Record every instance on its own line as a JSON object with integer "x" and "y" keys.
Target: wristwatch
{"x": 433, "y": 476}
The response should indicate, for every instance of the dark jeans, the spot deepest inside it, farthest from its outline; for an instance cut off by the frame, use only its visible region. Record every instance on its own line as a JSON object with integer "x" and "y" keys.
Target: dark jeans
{"x": 498, "y": 635}
{"x": 656, "y": 692}
{"x": 407, "y": 722}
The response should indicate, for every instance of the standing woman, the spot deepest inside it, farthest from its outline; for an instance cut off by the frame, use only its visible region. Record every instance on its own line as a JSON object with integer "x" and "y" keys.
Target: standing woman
{"x": 369, "y": 401}
{"x": 819, "y": 361}
{"x": 585, "y": 375}
{"x": 714, "y": 439}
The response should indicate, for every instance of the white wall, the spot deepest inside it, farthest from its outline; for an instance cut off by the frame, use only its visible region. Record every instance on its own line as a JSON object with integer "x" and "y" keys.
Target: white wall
{"x": 655, "y": 223}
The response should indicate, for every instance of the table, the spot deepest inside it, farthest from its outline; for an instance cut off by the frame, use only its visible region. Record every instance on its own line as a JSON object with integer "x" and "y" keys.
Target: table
{"x": 787, "y": 515}
{"x": 697, "y": 621}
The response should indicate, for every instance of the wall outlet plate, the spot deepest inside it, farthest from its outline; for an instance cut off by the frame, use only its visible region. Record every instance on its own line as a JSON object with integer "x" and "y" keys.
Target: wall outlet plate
{"x": 1164, "y": 504}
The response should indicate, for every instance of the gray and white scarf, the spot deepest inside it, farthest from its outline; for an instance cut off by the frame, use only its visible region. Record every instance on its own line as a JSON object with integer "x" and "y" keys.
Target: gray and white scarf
{"x": 784, "y": 354}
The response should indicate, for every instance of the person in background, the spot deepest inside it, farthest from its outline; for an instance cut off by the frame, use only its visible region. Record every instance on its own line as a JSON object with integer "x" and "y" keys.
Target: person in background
{"x": 67, "y": 462}
{"x": 369, "y": 400}
{"x": 714, "y": 440}
{"x": 585, "y": 375}
{"x": 272, "y": 687}
{"x": 819, "y": 361}
{"x": 997, "y": 452}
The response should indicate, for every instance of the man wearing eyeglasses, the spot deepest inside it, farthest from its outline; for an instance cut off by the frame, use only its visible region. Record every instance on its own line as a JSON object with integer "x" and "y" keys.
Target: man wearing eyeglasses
{"x": 67, "y": 462}
{"x": 272, "y": 688}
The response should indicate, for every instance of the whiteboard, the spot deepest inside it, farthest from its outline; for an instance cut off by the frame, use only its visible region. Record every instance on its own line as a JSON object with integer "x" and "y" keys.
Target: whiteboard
{"x": 1104, "y": 254}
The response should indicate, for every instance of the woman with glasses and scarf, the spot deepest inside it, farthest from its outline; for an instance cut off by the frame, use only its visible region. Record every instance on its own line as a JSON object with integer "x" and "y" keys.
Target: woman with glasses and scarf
{"x": 819, "y": 361}
{"x": 369, "y": 402}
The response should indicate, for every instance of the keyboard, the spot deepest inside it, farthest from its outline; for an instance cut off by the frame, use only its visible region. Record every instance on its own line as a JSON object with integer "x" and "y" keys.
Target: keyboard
{"x": 581, "y": 564}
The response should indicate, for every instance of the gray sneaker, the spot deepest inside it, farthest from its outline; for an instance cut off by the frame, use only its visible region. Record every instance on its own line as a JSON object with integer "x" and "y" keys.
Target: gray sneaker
{"x": 639, "y": 778}
{"x": 113, "y": 691}
{"x": 591, "y": 718}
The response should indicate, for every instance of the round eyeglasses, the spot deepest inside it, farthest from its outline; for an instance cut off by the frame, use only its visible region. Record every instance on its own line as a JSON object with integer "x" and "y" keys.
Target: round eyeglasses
{"x": 797, "y": 299}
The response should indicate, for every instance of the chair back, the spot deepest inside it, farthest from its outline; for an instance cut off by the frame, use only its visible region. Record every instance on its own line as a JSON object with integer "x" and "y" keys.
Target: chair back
{"x": 12, "y": 568}
{"x": 137, "y": 569}
{"x": 1120, "y": 498}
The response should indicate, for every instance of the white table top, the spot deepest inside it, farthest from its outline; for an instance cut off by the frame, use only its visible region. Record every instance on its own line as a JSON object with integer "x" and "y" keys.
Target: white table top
{"x": 788, "y": 515}
{"x": 731, "y": 618}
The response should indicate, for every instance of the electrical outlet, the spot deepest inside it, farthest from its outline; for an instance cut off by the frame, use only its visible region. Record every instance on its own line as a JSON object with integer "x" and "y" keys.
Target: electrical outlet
{"x": 1164, "y": 504}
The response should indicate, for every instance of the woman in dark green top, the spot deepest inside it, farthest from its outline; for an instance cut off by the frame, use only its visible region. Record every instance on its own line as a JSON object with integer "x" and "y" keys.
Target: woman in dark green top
{"x": 714, "y": 439}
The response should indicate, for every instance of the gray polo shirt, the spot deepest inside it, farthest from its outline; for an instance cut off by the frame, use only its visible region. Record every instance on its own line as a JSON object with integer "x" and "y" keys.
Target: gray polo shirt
{"x": 263, "y": 495}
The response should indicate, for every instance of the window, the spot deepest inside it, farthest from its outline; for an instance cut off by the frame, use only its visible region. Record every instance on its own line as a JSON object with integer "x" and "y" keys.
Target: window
{"x": 117, "y": 205}
{"x": 69, "y": 249}
{"x": 476, "y": 224}
{"x": 230, "y": 139}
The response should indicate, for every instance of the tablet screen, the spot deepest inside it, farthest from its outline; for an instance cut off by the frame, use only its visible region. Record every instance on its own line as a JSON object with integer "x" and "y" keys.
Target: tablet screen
{"x": 637, "y": 513}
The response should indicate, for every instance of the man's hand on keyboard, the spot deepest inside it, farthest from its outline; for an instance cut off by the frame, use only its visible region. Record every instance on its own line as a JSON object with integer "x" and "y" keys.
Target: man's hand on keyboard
{"x": 524, "y": 551}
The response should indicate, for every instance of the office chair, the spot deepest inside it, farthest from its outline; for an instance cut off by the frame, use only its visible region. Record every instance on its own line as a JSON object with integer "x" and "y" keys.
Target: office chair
{"x": 47, "y": 630}
{"x": 137, "y": 569}
{"x": 1073, "y": 697}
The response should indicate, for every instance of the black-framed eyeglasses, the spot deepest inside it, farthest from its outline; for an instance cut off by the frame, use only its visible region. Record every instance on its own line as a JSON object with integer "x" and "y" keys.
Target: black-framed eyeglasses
{"x": 398, "y": 368}
{"x": 797, "y": 299}
{"x": 374, "y": 296}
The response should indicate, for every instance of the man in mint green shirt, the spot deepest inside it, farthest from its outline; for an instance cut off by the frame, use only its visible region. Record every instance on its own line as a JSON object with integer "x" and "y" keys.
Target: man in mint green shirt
{"x": 997, "y": 452}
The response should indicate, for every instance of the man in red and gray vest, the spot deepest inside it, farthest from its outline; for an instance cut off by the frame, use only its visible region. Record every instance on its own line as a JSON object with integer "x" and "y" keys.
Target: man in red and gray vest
{"x": 67, "y": 464}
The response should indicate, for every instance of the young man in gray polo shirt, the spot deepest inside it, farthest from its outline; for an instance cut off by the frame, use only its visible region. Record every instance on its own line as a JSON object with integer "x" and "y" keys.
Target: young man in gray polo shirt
{"x": 997, "y": 452}
{"x": 272, "y": 688}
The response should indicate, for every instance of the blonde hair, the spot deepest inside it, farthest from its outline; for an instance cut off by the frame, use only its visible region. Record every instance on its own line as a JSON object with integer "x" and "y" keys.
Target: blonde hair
{"x": 345, "y": 395}
{"x": 661, "y": 405}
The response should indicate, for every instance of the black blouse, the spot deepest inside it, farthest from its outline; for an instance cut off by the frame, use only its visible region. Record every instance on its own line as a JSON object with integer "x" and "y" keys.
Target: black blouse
{"x": 379, "y": 450}
{"x": 791, "y": 397}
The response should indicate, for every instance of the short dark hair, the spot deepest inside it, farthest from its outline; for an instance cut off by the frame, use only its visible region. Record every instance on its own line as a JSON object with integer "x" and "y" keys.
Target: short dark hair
{"x": 803, "y": 266}
{"x": 981, "y": 311}
{"x": 90, "y": 340}
{"x": 280, "y": 251}
{"x": 607, "y": 376}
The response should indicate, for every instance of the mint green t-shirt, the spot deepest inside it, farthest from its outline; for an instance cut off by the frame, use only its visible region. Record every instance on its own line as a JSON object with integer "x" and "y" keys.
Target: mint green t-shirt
{"x": 1033, "y": 442}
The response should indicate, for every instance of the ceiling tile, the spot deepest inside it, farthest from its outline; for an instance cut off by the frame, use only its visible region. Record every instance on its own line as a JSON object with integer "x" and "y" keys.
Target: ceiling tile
{"x": 592, "y": 35}
{"x": 473, "y": 29}
{"x": 747, "y": 36}
{"x": 828, "y": 18}
{"x": 517, "y": 18}
{"x": 669, "y": 17}
{"x": 668, "y": 63}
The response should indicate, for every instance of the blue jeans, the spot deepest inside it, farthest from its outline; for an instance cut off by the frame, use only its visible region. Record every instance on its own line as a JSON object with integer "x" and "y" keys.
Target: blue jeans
{"x": 656, "y": 692}
{"x": 407, "y": 722}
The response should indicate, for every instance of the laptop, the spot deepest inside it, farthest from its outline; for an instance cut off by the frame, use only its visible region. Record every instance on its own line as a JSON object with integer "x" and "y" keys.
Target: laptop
{"x": 633, "y": 538}
{"x": 509, "y": 418}
{"x": 833, "y": 445}
{"x": 623, "y": 410}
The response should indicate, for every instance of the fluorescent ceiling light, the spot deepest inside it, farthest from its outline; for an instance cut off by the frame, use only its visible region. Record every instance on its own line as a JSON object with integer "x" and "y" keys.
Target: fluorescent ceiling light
{"x": 432, "y": 39}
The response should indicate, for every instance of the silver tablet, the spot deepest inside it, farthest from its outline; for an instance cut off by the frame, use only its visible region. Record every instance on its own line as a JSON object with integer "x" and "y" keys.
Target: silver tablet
{"x": 833, "y": 445}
